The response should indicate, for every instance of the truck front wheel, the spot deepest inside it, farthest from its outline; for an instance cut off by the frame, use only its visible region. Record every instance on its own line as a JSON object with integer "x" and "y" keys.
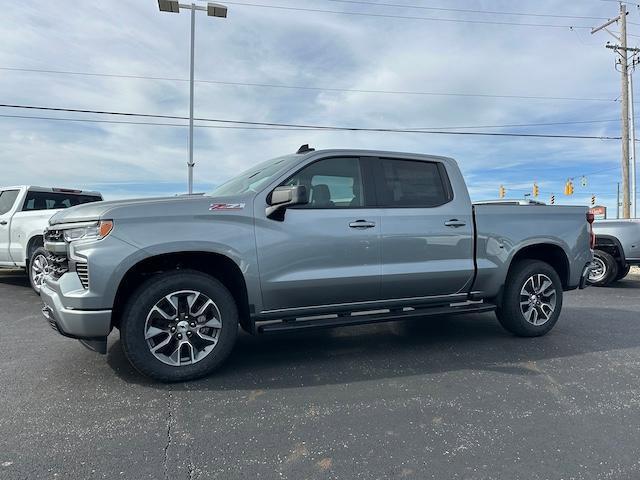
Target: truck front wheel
{"x": 179, "y": 326}
{"x": 532, "y": 299}
{"x": 37, "y": 269}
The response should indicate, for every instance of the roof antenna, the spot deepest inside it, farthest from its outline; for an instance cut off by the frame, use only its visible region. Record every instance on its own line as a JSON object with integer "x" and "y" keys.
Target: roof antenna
{"x": 305, "y": 148}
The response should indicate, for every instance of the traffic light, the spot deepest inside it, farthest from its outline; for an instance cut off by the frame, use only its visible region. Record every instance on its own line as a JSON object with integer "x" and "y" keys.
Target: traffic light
{"x": 593, "y": 200}
{"x": 553, "y": 199}
{"x": 502, "y": 191}
{"x": 583, "y": 181}
{"x": 568, "y": 187}
{"x": 536, "y": 190}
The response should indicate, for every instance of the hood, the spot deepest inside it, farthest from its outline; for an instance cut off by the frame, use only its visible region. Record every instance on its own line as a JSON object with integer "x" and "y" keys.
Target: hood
{"x": 147, "y": 208}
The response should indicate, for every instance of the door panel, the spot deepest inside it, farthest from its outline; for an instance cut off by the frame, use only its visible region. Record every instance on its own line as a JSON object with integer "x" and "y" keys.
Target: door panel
{"x": 325, "y": 252}
{"x": 427, "y": 237}
{"x": 7, "y": 207}
{"x": 423, "y": 257}
{"x": 314, "y": 257}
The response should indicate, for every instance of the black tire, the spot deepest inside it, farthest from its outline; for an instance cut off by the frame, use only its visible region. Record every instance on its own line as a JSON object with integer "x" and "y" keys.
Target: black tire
{"x": 510, "y": 314}
{"x": 622, "y": 272}
{"x": 132, "y": 325}
{"x": 605, "y": 269}
{"x": 37, "y": 268}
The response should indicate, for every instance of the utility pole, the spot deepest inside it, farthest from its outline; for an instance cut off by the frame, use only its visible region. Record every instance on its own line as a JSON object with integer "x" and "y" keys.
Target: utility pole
{"x": 634, "y": 195}
{"x": 622, "y": 50}
{"x": 624, "y": 69}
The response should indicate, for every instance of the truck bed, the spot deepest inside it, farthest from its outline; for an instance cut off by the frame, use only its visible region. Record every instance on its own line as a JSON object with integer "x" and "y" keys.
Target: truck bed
{"x": 501, "y": 230}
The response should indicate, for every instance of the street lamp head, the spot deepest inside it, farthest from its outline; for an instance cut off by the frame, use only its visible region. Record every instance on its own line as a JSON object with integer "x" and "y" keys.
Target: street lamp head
{"x": 171, "y": 6}
{"x": 216, "y": 10}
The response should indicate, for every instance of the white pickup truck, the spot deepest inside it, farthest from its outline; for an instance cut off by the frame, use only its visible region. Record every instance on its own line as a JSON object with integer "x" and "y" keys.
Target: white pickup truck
{"x": 24, "y": 214}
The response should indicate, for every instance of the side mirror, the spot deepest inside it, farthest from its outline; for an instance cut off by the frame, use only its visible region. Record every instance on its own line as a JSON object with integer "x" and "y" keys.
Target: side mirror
{"x": 283, "y": 197}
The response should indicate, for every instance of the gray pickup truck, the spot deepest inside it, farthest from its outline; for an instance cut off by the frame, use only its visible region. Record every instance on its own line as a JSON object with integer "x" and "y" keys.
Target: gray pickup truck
{"x": 309, "y": 240}
{"x": 617, "y": 248}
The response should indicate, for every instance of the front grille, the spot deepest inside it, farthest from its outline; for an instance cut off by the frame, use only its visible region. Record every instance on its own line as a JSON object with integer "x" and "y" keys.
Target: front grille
{"x": 58, "y": 265}
{"x": 82, "y": 269}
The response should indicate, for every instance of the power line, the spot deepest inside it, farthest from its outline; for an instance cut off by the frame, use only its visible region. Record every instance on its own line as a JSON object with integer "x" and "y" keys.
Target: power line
{"x": 94, "y": 74}
{"x": 157, "y": 124}
{"x": 469, "y": 127}
{"x": 405, "y": 17}
{"x": 312, "y": 126}
{"x": 311, "y": 88}
{"x": 464, "y": 10}
{"x": 577, "y": 122}
{"x": 622, "y": 1}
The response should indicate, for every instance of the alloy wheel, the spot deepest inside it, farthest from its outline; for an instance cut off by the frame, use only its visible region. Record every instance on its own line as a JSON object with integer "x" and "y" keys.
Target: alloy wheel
{"x": 538, "y": 299}
{"x": 39, "y": 269}
{"x": 183, "y": 328}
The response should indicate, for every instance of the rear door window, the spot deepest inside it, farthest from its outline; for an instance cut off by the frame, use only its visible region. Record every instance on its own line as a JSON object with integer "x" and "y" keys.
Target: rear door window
{"x": 55, "y": 200}
{"x": 412, "y": 184}
{"x": 7, "y": 199}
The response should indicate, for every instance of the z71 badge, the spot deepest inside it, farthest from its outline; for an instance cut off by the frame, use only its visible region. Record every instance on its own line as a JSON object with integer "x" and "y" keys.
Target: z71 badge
{"x": 226, "y": 206}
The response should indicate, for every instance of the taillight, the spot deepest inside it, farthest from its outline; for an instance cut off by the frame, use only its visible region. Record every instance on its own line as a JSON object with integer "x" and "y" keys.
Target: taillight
{"x": 592, "y": 236}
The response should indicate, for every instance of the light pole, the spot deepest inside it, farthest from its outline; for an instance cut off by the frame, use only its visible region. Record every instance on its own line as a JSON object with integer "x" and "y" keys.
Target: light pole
{"x": 213, "y": 10}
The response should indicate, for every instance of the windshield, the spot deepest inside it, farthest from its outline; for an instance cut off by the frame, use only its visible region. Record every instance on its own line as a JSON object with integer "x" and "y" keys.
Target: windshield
{"x": 253, "y": 179}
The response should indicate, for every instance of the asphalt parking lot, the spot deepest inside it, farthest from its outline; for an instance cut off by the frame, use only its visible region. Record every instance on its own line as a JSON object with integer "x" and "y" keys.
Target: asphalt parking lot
{"x": 447, "y": 398}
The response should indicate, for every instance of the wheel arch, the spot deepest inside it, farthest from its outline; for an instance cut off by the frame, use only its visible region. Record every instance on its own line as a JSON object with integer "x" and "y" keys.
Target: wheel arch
{"x": 34, "y": 242}
{"x": 550, "y": 253}
{"x": 611, "y": 245}
{"x": 215, "y": 264}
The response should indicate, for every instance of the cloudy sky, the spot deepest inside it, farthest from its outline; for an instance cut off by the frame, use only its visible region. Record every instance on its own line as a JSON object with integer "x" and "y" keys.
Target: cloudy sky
{"x": 462, "y": 74}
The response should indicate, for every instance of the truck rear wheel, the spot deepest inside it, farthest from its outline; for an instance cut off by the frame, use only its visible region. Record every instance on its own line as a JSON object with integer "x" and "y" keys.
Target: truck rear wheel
{"x": 179, "y": 326}
{"x": 532, "y": 299}
{"x": 604, "y": 269}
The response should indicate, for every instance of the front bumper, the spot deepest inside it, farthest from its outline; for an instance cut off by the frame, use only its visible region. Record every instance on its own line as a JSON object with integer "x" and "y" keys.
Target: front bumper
{"x": 71, "y": 322}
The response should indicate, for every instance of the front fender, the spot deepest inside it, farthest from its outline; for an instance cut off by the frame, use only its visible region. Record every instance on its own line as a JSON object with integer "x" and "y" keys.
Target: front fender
{"x": 230, "y": 236}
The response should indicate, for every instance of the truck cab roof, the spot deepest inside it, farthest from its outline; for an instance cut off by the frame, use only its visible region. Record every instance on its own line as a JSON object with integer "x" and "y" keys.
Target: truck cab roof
{"x": 35, "y": 188}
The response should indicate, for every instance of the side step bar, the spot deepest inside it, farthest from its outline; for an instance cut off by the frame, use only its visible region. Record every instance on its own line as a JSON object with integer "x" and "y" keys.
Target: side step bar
{"x": 362, "y": 319}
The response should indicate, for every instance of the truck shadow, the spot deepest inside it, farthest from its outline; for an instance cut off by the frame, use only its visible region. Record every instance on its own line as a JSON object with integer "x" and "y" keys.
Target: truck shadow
{"x": 402, "y": 349}
{"x": 15, "y": 278}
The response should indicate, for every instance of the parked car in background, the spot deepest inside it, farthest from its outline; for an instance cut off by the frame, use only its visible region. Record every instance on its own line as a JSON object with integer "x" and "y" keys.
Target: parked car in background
{"x": 314, "y": 239}
{"x": 24, "y": 214}
{"x": 617, "y": 249}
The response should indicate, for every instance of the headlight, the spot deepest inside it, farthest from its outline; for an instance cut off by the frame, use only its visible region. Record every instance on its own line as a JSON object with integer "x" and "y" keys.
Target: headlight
{"x": 94, "y": 231}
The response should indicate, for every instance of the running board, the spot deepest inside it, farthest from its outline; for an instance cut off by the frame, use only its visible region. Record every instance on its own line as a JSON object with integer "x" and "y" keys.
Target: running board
{"x": 362, "y": 319}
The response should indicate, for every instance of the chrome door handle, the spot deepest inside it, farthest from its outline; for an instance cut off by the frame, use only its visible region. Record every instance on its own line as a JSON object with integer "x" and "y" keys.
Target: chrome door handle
{"x": 455, "y": 223}
{"x": 3, "y": 222}
{"x": 362, "y": 224}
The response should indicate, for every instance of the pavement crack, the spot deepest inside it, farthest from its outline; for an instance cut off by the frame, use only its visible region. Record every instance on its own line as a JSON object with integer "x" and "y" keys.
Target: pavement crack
{"x": 165, "y": 462}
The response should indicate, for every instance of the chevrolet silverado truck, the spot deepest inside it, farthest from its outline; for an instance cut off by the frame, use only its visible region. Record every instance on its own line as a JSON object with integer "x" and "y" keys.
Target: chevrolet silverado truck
{"x": 617, "y": 248}
{"x": 309, "y": 240}
{"x": 24, "y": 214}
